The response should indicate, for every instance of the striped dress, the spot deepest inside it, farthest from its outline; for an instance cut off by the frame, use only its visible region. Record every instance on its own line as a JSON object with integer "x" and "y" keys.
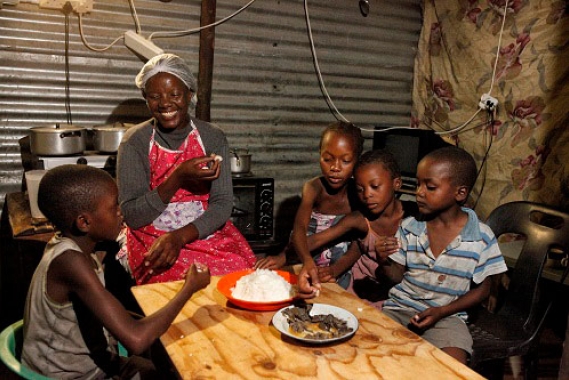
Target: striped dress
{"x": 430, "y": 282}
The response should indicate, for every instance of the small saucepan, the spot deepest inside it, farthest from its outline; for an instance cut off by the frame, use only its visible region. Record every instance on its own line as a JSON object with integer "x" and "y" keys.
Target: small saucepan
{"x": 240, "y": 161}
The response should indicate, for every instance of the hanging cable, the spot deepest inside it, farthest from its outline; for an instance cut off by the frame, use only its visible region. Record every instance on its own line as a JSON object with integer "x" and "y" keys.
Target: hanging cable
{"x": 67, "y": 8}
{"x": 461, "y": 127}
{"x": 195, "y": 30}
{"x": 485, "y": 158}
{"x": 90, "y": 47}
{"x": 499, "y": 48}
{"x": 135, "y": 16}
{"x": 329, "y": 101}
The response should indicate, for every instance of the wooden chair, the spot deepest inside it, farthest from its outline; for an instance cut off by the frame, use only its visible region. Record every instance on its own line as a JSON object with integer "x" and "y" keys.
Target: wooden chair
{"x": 514, "y": 329}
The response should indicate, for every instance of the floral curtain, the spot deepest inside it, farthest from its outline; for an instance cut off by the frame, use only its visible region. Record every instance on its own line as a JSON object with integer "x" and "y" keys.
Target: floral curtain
{"x": 521, "y": 146}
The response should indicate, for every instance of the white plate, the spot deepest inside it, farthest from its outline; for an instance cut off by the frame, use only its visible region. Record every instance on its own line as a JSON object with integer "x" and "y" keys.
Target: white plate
{"x": 280, "y": 322}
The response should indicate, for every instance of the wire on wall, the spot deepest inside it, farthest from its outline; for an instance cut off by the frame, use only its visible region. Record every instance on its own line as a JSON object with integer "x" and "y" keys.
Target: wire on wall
{"x": 485, "y": 158}
{"x": 138, "y": 28}
{"x": 67, "y": 8}
{"x": 195, "y": 30}
{"x": 462, "y": 126}
{"x": 329, "y": 101}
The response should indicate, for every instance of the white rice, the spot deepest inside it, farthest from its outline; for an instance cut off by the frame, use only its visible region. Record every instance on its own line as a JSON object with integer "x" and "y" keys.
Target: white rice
{"x": 263, "y": 285}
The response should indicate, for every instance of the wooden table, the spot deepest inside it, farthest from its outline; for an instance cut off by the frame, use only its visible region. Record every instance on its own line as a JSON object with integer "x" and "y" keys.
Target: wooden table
{"x": 211, "y": 339}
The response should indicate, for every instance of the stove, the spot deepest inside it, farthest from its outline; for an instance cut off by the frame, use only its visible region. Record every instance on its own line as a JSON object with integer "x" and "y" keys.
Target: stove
{"x": 106, "y": 162}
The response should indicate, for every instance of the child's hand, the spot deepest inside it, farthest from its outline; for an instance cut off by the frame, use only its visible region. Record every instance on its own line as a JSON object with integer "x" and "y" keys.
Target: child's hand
{"x": 271, "y": 262}
{"x": 386, "y": 246}
{"x": 426, "y": 318}
{"x": 198, "y": 277}
{"x": 308, "y": 281}
{"x": 326, "y": 274}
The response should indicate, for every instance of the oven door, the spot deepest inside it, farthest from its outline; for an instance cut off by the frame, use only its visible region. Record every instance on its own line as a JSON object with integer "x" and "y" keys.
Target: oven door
{"x": 252, "y": 212}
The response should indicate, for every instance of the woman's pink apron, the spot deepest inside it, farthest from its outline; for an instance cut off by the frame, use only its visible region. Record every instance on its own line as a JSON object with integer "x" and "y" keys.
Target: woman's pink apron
{"x": 225, "y": 251}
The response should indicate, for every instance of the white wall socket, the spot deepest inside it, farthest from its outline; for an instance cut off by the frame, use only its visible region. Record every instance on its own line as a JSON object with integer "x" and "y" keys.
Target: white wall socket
{"x": 79, "y": 6}
{"x": 487, "y": 102}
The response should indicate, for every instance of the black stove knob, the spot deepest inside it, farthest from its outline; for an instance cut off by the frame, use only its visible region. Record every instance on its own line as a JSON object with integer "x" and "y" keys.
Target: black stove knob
{"x": 82, "y": 161}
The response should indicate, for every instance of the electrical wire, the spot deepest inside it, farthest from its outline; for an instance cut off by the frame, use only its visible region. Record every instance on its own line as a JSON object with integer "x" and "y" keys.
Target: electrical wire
{"x": 485, "y": 158}
{"x": 499, "y": 48}
{"x": 90, "y": 47}
{"x": 155, "y": 34}
{"x": 135, "y": 16}
{"x": 329, "y": 101}
{"x": 67, "y": 8}
{"x": 195, "y": 30}
{"x": 459, "y": 128}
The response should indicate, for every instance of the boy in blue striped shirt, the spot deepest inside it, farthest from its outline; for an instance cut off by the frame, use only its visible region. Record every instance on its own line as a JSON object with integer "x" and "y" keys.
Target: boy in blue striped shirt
{"x": 446, "y": 257}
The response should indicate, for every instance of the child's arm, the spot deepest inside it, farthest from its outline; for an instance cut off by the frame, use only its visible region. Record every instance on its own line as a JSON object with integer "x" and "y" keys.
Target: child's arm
{"x": 310, "y": 192}
{"x": 473, "y": 297}
{"x": 332, "y": 272}
{"x": 72, "y": 273}
{"x": 390, "y": 272}
{"x": 353, "y": 221}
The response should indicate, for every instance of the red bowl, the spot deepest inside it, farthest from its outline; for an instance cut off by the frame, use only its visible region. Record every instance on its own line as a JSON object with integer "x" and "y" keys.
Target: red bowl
{"x": 227, "y": 282}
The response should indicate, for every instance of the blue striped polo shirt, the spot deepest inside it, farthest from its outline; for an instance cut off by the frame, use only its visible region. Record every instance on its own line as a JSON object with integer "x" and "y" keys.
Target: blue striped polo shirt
{"x": 430, "y": 282}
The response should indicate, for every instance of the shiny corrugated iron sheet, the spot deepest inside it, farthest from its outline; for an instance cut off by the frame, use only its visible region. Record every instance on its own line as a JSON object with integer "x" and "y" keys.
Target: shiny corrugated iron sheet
{"x": 265, "y": 94}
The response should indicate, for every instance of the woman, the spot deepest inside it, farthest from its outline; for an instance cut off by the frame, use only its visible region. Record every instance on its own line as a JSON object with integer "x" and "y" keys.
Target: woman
{"x": 175, "y": 194}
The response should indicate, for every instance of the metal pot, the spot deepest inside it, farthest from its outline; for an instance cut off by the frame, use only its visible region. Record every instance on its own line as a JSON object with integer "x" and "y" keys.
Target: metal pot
{"x": 240, "y": 161}
{"x": 57, "y": 140}
{"x": 108, "y": 137}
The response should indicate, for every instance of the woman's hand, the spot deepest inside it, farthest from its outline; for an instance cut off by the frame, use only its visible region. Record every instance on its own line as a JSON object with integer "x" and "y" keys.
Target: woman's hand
{"x": 386, "y": 246}
{"x": 196, "y": 174}
{"x": 163, "y": 254}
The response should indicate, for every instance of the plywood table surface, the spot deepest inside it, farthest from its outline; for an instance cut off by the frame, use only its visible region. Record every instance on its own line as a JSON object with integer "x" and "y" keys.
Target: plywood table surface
{"x": 211, "y": 339}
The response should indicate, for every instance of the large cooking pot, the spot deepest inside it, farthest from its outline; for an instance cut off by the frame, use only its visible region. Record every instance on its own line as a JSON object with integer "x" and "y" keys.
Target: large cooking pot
{"x": 108, "y": 137}
{"x": 240, "y": 161}
{"x": 57, "y": 140}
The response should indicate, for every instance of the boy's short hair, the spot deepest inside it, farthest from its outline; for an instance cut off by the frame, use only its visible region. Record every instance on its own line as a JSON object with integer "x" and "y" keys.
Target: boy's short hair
{"x": 383, "y": 157}
{"x": 463, "y": 170}
{"x": 68, "y": 190}
{"x": 346, "y": 129}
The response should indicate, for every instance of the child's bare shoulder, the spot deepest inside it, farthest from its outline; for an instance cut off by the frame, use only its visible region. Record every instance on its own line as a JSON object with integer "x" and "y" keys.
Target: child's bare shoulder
{"x": 313, "y": 187}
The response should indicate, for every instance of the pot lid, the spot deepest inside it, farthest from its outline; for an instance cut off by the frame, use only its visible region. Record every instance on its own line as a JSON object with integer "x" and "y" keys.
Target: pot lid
{"x": 118, "y": 126}
{"x": 56, "y": 128}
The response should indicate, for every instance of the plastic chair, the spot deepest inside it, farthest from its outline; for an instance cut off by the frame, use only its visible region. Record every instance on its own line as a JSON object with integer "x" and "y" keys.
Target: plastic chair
{"x": 514, "y": 329}
{"x": 11, "y": 339}
{"x": 10, "y": 348}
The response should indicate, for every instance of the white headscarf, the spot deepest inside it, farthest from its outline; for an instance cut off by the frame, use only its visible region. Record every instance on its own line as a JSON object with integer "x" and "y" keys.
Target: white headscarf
{"x": 166, "y": 63}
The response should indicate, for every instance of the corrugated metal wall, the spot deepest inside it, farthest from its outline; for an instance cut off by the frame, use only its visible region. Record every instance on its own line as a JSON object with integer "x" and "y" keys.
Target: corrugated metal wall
{"x": 265, "y": 94}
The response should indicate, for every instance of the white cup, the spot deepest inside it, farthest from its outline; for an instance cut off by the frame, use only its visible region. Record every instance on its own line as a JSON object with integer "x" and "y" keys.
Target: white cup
{"x": 33, "y": 178}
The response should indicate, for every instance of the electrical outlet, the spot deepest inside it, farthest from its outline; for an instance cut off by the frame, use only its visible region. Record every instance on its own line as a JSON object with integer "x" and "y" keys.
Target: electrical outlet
{"x": 487, "y": 102}
{"x": 79, "y": 6}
